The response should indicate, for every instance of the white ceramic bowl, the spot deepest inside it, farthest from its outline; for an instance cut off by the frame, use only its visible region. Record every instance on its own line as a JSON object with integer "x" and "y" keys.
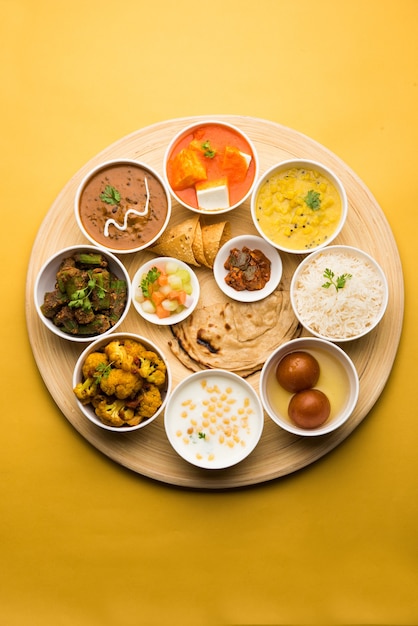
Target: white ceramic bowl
{"x": 148, "y": 195}
{"x": 253, "y": 243}
{"x": 212, "y": 205}
{"x": 87, "y": 409}
{"x": 214, "y": 419}
{"x": 278, "y": 235}
{"x": 46, "y": 280}
{"x": 175, "y": 317}
{"x": 342, "y": 314}
{"x": 338, "y": 380}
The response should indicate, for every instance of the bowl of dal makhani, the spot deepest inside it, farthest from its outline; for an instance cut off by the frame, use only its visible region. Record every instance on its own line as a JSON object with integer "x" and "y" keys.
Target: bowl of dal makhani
{"x": 299, "y": 206}
{"x": 339, "y": 293}
{"x": 211, "y": 167}
{"x": 122, "y": 205}
{"x": 214, "y": 419}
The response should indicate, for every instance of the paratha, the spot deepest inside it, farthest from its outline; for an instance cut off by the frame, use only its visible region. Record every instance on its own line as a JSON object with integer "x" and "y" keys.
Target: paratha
{"x": 235, "y": 336}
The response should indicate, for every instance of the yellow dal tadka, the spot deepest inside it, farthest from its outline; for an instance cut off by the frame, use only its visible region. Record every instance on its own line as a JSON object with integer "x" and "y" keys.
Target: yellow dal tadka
{"x": 298, "y": 208}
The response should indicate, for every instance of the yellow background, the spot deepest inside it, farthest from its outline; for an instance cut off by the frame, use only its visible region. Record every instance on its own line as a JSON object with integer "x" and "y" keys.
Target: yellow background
{"x": 85, "y": 541}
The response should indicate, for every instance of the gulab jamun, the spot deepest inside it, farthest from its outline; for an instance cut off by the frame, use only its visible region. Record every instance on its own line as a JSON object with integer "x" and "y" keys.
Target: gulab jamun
{"x": 298, "y": 371}
{"x": 309, "y": 408}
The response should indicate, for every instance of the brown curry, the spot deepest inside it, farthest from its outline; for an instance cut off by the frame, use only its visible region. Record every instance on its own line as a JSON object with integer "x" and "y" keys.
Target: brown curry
{"x": 125, "y": 202}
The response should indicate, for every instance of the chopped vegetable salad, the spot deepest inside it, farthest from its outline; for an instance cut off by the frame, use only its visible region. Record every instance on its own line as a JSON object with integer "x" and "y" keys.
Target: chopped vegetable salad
{"x": 166, "y": 289}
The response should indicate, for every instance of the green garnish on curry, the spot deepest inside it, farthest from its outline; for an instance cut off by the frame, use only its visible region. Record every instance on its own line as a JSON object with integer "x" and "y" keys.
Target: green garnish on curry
{"x": 313, "y": 200}
{"x": 208, "y": 151}
{"x": 110, "y": 195}
{"x": 80, "y": 299}
{"x": 102, "y": 371}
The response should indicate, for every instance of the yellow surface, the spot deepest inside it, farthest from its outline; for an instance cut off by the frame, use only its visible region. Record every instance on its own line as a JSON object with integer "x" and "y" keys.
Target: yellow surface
{"x": 85, "y": 541}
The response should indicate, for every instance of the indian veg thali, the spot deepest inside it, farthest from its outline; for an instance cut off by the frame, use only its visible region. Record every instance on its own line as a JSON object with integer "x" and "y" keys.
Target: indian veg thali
{"x": 221, "y": 333}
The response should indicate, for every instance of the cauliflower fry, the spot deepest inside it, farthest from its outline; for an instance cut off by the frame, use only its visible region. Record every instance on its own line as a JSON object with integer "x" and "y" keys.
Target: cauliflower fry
{"x": 134, "y": 348}
{"x": 149, "y": 401}
{"x": 118, "y": 355}
{"x": 152, "y": 368}
{"x": 134, "y": 351}
{"x": 93, "y": 363}
{"x": 114, "y": 413}
{"x": 137, "y": 419}
{"x": 86, "y": 390}
{"x": 120, "y": 383}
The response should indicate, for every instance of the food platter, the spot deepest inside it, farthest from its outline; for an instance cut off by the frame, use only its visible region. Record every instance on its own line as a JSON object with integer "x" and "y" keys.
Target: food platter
{"x": 148, "y": 452}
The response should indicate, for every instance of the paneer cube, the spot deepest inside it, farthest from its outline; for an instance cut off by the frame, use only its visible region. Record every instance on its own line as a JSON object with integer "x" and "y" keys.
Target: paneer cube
{"x": 187, "y": 169}
{"x": 213, "y": 195}
{"x": 235, "y": 164}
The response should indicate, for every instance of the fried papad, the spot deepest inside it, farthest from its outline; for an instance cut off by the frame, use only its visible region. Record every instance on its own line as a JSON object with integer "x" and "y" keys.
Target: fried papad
{"x": 193, "y": 242}
{"x": 178, "y": 242}
{"x": 235, "y": 336}
{"x": 213, "y": 238}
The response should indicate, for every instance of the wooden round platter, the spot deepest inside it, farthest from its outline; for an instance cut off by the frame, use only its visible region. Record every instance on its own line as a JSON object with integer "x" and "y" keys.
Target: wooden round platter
{"x": 279, "y": 453}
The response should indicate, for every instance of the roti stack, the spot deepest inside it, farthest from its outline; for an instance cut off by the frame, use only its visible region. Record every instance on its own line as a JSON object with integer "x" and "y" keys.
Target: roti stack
{"x": 235, "y": 336}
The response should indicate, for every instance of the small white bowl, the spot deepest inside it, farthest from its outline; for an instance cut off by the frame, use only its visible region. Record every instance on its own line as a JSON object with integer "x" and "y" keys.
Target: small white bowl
{"x": 253, "y": 243}
{"x": 214, "y": 436}
{"x": 149, "y": 198}
{"x": 338, "y": 380}
{"x": 329, "y": 308}
{"x": 174, "y": 318}
{"x": 87, "y": 409}
{"x": 248, "y": 149}
{"x": 281, "y": 242}
{"x": 46, "y": 281}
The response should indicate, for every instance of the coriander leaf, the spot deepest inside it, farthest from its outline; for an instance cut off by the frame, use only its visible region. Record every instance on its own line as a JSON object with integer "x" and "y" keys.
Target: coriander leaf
{"x": 75, "y": 303}
{"x": 207, "y": 150}
{"x": 101, "y": 292}
{"x": 150, "y": 278}
{"x": 330, "y": 275}
{"x": 341, "y": 280}
{"x": 338, "y": 283}
{"x": 202, "y": 435}
{"x": 102, "y": 371}
{"x": 110, "y": 195}
{"x": 78, "y": 299}
{"x": 79, "y": 294}
{"x": 80, "y": 303}
{"x": 313, "y": 200}
{"x": 93, "y": 284}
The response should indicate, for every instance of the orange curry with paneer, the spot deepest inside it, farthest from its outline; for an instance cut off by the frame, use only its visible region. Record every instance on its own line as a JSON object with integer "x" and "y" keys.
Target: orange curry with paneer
{"x": 211, "y": 157}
